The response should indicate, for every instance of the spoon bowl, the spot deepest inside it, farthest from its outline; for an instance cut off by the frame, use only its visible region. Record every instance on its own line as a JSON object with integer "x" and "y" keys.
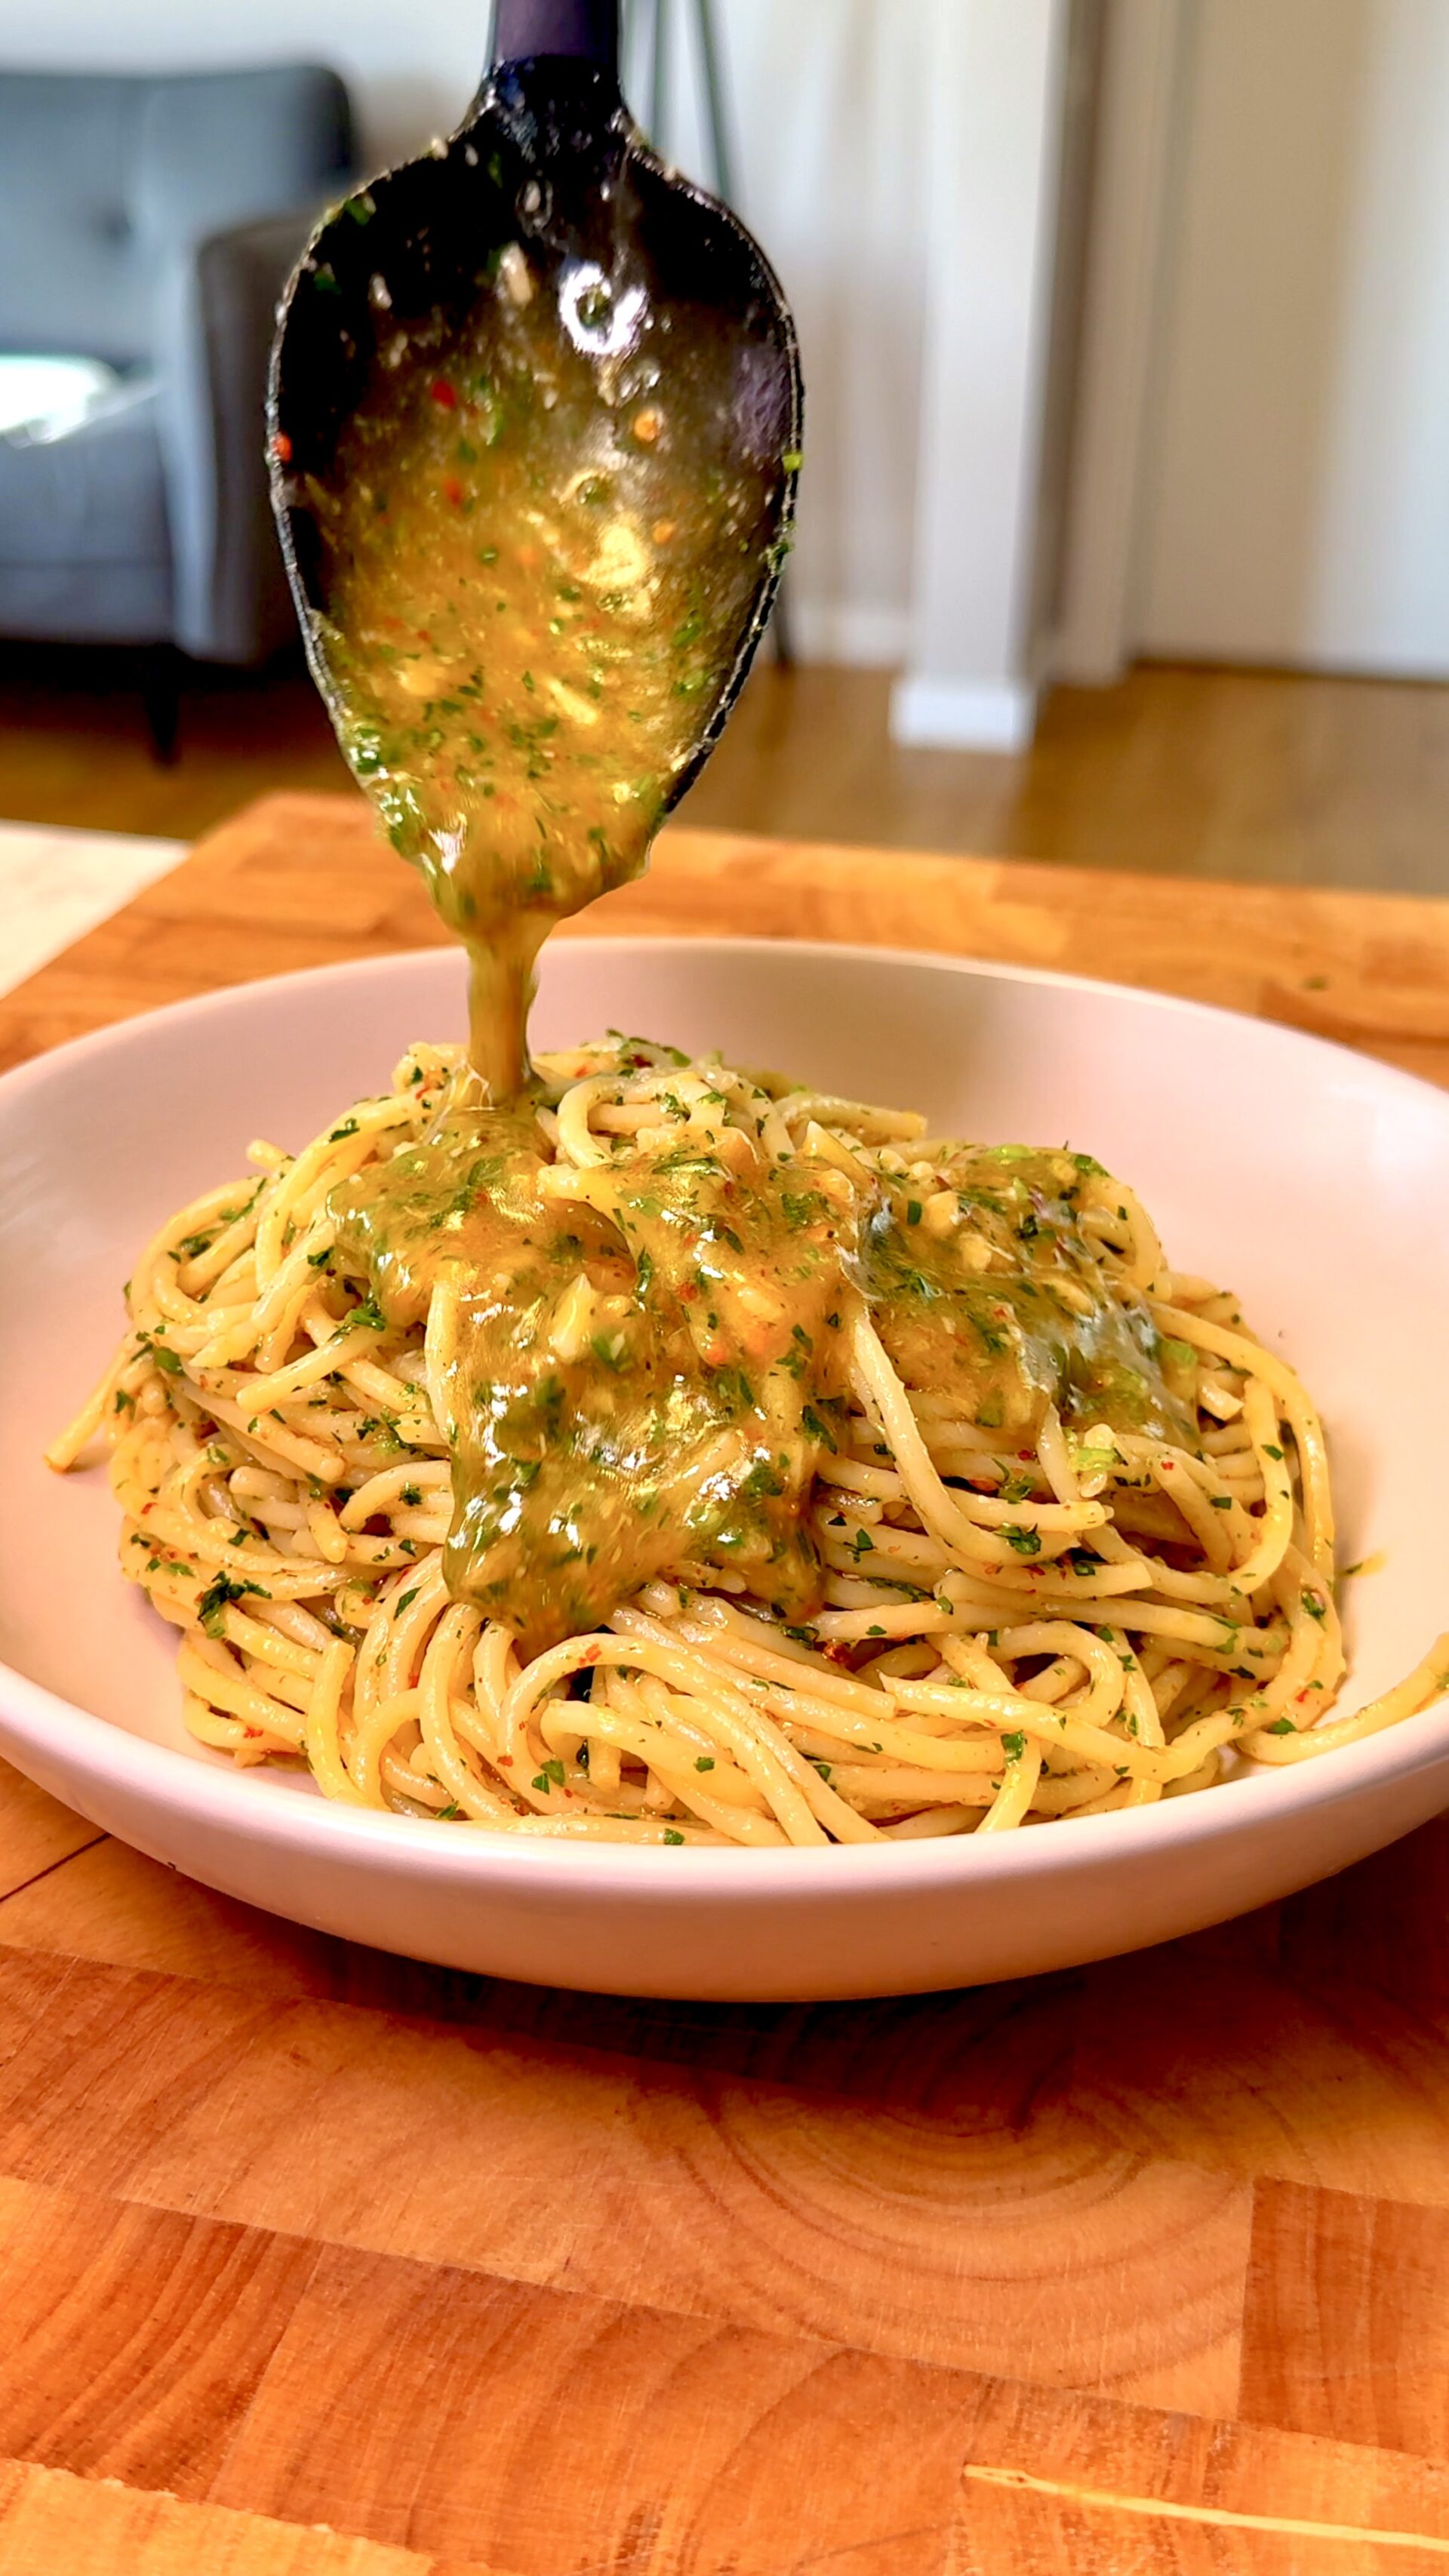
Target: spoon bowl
{"x": 546, "y": 196}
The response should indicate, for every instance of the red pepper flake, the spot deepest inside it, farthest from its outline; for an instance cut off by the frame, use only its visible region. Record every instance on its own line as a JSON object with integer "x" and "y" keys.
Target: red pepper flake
{"x": 443, "y": 394}
{"x": 282, "y": 448}
{"x": 452, "y": 491}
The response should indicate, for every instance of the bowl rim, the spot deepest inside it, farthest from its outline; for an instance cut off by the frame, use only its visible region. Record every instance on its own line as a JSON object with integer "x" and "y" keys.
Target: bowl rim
{"x": 447, "y": 956}
{"x": 197, "y": 1791}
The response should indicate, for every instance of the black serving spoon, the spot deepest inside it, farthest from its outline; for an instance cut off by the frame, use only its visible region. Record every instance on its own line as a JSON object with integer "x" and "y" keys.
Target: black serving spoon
{"x": 548, "y": 158}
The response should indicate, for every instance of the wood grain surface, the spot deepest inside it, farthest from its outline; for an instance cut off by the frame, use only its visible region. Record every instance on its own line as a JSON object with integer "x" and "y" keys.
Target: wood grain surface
{"x": 317, "y": 2262}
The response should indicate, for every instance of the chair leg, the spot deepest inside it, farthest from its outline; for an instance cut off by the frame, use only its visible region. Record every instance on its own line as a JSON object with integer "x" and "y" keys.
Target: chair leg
{"x": 161, "y": 699}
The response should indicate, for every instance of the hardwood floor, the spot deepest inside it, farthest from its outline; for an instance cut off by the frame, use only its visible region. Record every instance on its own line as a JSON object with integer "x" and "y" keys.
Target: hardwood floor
{"x": 1188, "y": 772}
{"x": 74, "y": 747}
{"x": 1192, "y": 772}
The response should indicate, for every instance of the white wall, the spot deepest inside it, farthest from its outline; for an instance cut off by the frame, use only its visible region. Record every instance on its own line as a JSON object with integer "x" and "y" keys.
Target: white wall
{"x": 1296, "y": 502}
{"x": 993, "y": 141}
{"x": 898, "y": 160}
{"x": 1121, "y": 265}
{"x": 829, "y": 106}
{"x": 411, "y": 68}
{"x": 829, "y": 101}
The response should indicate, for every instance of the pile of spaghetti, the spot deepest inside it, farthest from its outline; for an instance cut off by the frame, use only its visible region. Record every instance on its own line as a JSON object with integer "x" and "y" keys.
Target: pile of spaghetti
{"x": 1024, "y": 1614}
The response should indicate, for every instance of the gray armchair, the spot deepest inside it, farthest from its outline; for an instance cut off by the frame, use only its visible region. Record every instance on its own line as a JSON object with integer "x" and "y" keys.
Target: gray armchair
{"x": 150, "y": 223}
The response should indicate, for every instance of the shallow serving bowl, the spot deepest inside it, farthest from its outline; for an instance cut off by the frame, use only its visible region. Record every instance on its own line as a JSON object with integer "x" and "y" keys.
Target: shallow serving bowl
{"x": 1313, "y": 1181}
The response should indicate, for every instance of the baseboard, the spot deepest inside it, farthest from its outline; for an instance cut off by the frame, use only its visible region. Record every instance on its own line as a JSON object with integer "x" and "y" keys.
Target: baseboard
{"x": 963, "y": 715}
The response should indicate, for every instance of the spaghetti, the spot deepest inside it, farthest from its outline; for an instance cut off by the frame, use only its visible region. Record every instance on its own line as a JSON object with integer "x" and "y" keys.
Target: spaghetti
{"x": 693, "y": 1459}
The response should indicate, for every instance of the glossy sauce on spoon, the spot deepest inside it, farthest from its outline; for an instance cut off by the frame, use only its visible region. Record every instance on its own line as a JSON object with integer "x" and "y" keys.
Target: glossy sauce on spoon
{"x": 542, "y": 540}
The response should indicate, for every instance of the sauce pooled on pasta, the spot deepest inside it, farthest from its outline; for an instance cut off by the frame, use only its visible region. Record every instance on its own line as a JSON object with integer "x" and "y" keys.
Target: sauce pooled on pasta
{"x": 542, "y": 550}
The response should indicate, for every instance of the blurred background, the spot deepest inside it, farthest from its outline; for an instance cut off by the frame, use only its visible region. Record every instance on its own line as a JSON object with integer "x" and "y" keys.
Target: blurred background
{"x": 1124, "y": 524}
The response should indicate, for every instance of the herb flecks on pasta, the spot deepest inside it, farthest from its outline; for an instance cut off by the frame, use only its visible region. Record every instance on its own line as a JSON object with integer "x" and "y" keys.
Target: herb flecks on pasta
{"x": 679, "y": 1456}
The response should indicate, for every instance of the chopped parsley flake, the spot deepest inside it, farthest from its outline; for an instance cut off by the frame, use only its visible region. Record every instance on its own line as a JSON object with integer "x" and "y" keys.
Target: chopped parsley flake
{"x": 216, "y": 1596}
{"x": 368, "y": 1313}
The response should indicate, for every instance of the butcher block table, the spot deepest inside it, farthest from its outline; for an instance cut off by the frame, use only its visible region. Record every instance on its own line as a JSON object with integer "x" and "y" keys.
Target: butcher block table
{"x": 316, "y": 2260}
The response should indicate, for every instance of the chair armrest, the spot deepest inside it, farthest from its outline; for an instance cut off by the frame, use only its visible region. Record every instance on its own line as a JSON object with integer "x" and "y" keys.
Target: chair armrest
{"x": 218, "y": 302}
